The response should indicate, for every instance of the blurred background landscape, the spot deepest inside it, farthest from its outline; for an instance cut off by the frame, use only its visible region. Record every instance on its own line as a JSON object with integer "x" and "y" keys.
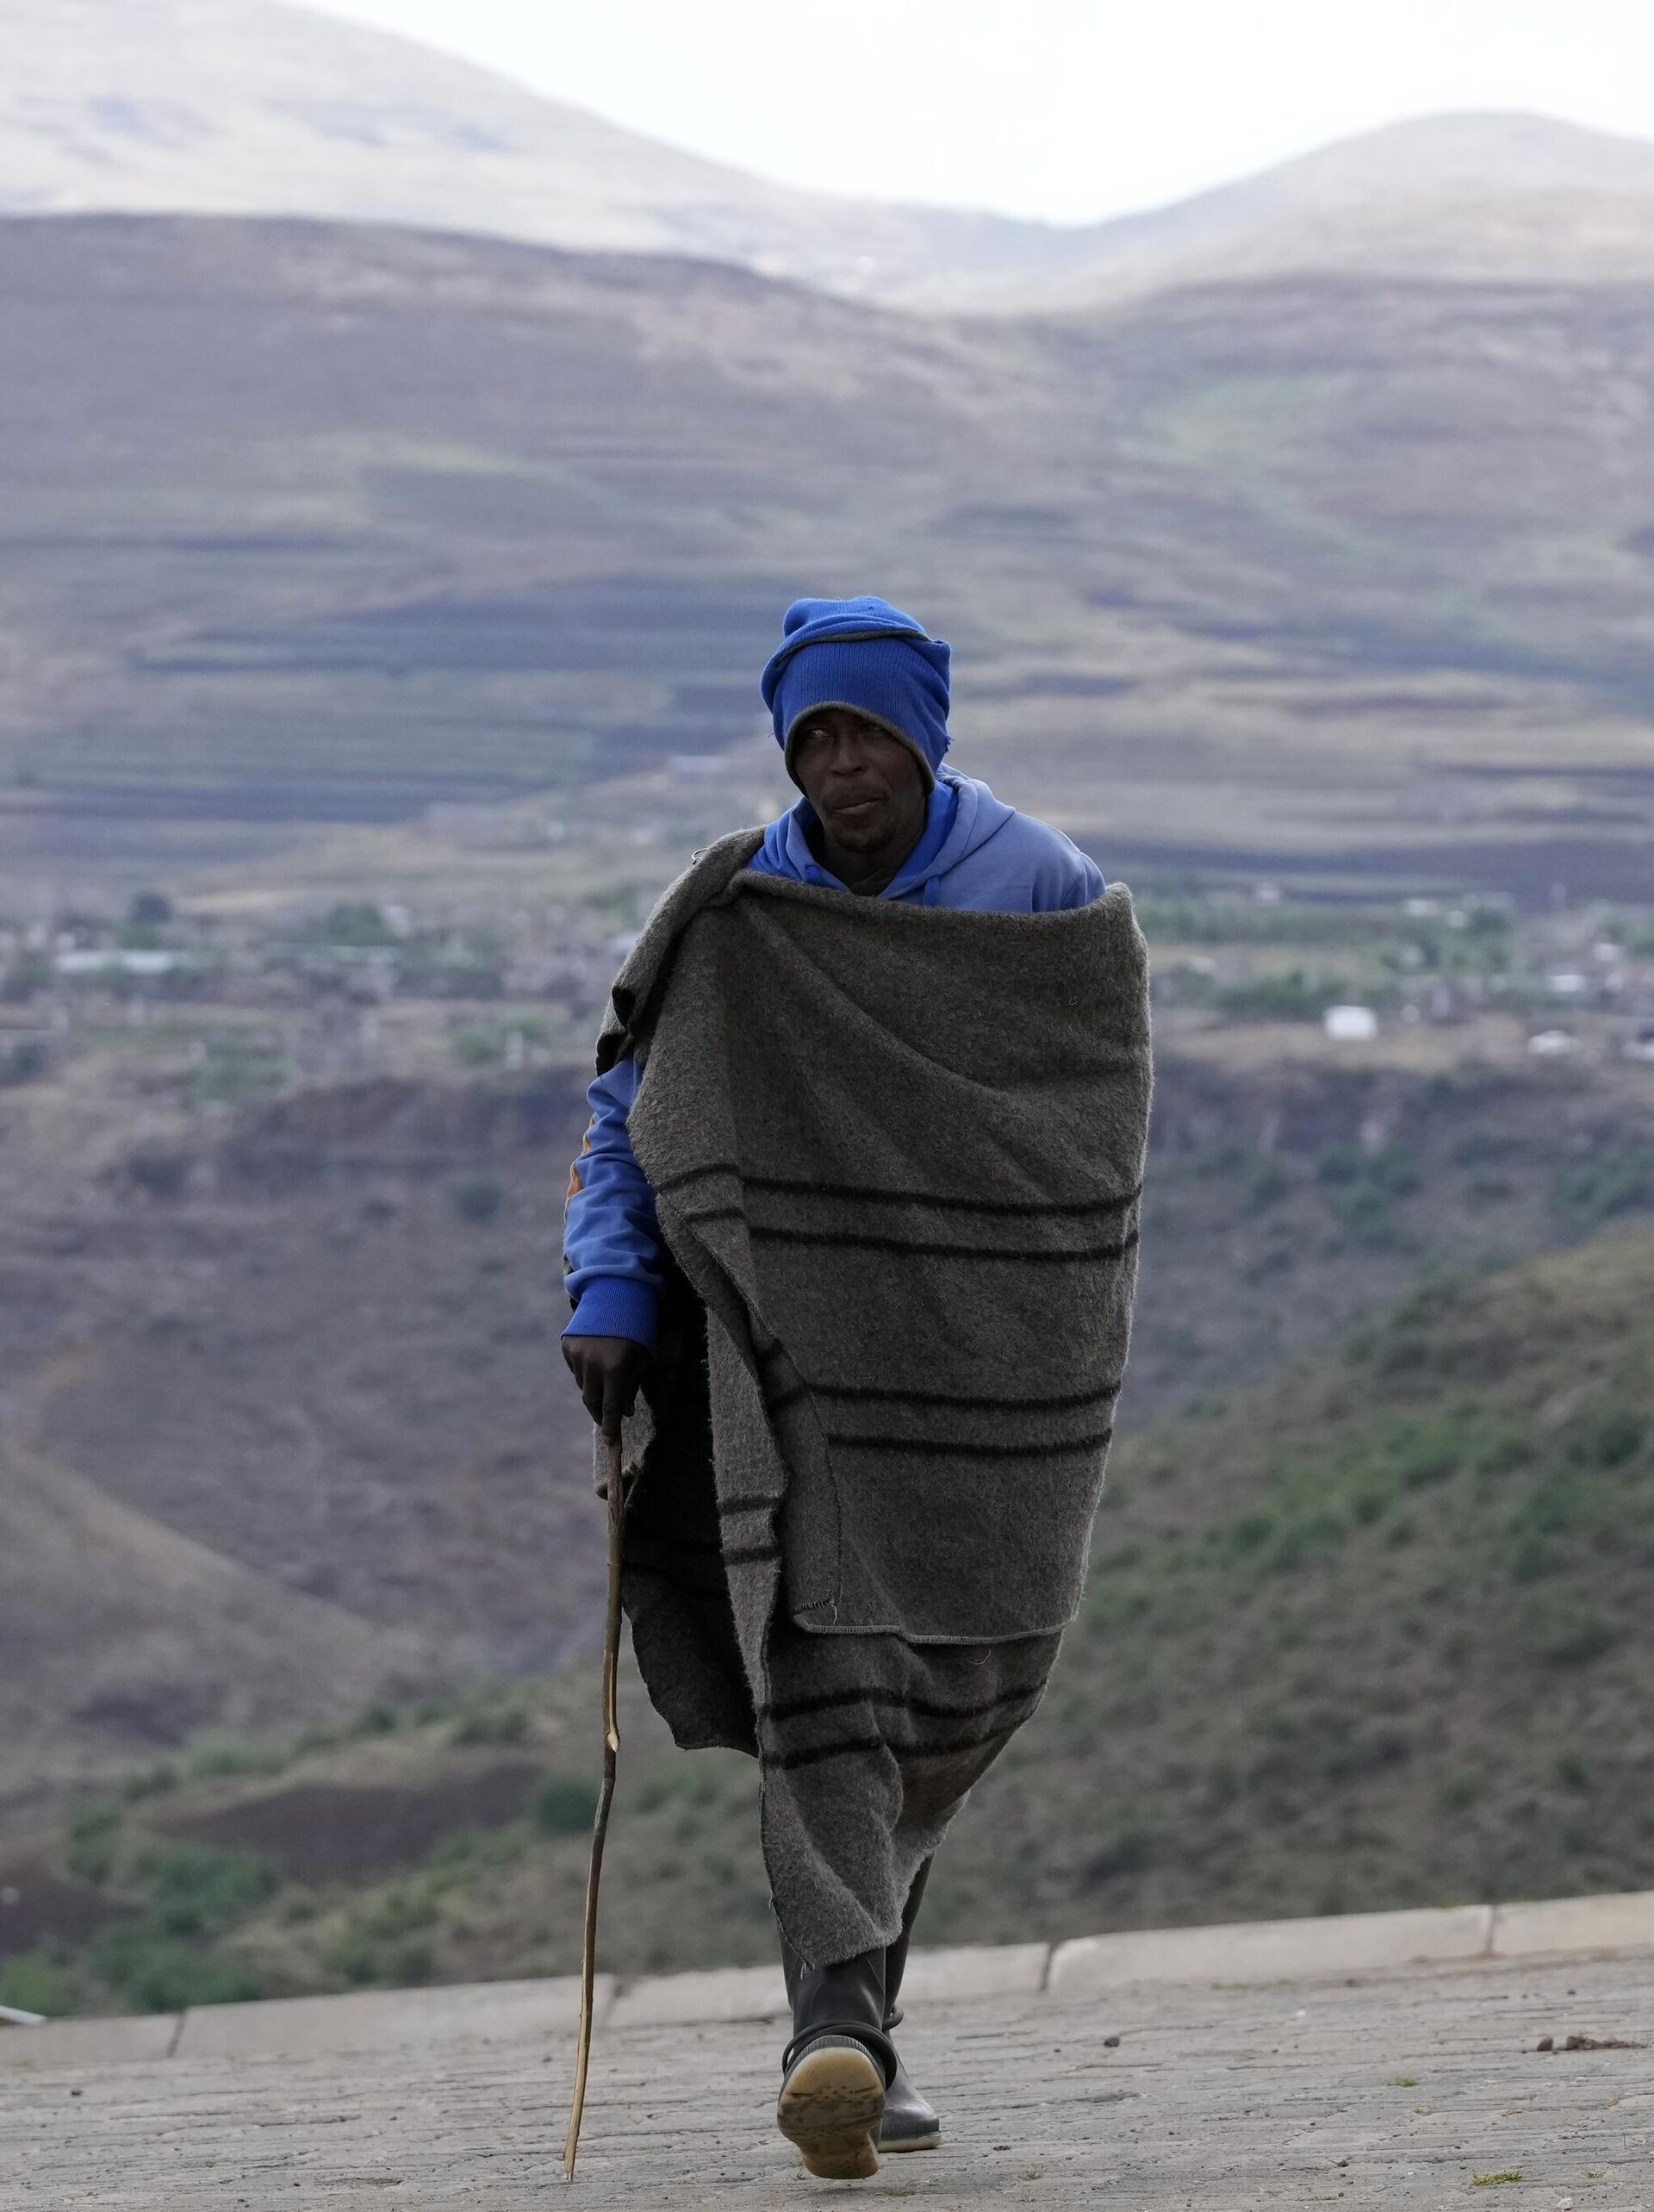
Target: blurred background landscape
{"x": 402, "y": 478}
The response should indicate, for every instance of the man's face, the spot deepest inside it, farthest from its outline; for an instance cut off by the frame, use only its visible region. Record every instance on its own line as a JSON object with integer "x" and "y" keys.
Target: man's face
{"x": 866, "y": 787}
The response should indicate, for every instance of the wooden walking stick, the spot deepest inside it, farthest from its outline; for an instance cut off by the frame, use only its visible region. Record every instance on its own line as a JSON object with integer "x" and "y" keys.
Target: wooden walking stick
{"x": 616, "y": 1487}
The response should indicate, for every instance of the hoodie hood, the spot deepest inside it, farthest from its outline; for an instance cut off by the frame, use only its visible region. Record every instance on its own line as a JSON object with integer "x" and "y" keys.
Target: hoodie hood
{"x": 961, "y": 817}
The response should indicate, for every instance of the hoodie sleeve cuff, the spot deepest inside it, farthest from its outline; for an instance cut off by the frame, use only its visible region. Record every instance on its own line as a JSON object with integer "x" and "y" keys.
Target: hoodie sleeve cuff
{"x": 615, "y": 1305}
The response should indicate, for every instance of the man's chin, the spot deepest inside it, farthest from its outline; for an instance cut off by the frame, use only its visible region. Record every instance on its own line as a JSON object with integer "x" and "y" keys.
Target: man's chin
{"x": 863, "y": 833}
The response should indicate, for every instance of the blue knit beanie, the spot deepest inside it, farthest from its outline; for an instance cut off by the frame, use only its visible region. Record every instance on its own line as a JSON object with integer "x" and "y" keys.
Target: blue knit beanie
{"x": 866, "y": 655}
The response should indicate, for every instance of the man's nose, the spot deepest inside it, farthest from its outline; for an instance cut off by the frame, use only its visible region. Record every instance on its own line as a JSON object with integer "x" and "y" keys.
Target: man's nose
{"x": 848, "y": 756}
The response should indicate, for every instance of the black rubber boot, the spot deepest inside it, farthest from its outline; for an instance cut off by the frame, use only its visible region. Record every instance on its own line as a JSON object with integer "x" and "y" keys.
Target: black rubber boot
{"x": 896, "y": 1955}
{"x": 910, "y": 2123}
{"x": 835, "y": 2070}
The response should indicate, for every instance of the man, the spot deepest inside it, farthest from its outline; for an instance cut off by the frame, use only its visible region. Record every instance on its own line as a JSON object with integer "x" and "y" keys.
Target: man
{"x": 856, "y": 1215}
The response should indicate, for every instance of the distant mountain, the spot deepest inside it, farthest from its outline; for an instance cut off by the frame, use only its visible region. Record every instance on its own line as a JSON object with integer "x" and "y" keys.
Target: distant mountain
{"x": 245, "y": 107}
{"x": 1479, "y": 197}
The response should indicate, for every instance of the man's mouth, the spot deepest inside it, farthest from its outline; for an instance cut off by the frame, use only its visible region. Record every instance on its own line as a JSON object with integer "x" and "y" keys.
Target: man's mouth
{"x": 850, "y": 810}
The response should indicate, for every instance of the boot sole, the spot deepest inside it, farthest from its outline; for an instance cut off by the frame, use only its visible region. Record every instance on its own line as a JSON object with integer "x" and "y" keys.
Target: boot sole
{"x": 830, "y": 2107}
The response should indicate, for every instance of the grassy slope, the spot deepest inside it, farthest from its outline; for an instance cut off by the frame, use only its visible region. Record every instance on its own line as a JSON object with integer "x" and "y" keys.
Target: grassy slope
{"x": 1374, "y": 1634}
{"x": 1377, "y": 1634}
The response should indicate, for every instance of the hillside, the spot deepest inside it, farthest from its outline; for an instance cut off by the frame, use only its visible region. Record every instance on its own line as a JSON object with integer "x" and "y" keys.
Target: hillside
{"x": 1373, "y": 1634}
{"x": 334, "y": 1362}
{"x": 245, "y": 107}
{"x": 1306, "y": 577}
{"x": 117, "y": 1629}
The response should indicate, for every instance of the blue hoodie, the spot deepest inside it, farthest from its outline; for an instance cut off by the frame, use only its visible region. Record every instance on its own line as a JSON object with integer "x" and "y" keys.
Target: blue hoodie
{"x": 973, "y": 854}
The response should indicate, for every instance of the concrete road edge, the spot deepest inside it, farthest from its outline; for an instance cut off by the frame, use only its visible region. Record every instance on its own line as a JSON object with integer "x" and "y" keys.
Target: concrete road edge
{"x": 1088, "y": 1965}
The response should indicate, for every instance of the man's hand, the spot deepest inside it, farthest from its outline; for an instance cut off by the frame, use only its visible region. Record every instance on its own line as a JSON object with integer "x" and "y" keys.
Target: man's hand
{"x": 609, "y": 1370}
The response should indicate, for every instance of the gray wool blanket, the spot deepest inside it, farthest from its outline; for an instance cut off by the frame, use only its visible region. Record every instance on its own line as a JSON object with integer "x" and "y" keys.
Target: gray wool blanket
{"x": 897, "y": 1154}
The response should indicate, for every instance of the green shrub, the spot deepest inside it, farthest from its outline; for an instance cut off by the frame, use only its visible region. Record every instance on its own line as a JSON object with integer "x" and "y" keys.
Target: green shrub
{"x": 1127, "y": 1851}
{"x": 484, "y": 1044}
{"x": 565, "y": 1804}
{"x": 1558, "y": 1504}
{"x": 491, "y": 1723}
{"x": 461, "y": 1849}
{"x": 1304, "y": 1539}
{"x": 237, "y": 1071}
{"x": 1425, "y": 1453}
{"x": 1248, "y": 1532}
{"x": 1366, "y": 1188}
{"x": 1487, "y": 1188}
{"x": 1532, "y": 1559}
{"x": 92, "y": 1836}
{"x": 1117, "y": 1601}
{"x": 150, "y": 1782}
{"x": 1338, "y": 1164}
{"x": 155, "y": 1972}
{"x": 1563, "y": 1632}
{"x": 1388, "y": 1167}
{"x": 1368, "y": 1751}
{"x": 22, "y": 1061}
{"x": 35, "y": 1981}
{"x": 402, "y": 1910}
{"x": 1611, "y": 1440}
{"x": 1264, "y": 1184}
{"x": 384, "y": 1942}
{"x": 1295, "y": 995}
{"x": 216, "y": 1753}
{"x": 1595, "y": 1191}
{"x": 358, "y": 923}
{"x": 200, "y": 1889}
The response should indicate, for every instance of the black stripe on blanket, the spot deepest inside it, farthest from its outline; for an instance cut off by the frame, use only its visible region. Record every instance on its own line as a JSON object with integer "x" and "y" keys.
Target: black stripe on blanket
{"x": 1007, "y": 1208}
{"x": 942, "y": 1448}
{"x": 786, "y": 1762}
{"x": 1035, "y": 1255}
{"x": 832, "y": 1701}
{"x": 863, "y": 1394}
{"x": 865, "y": 1195}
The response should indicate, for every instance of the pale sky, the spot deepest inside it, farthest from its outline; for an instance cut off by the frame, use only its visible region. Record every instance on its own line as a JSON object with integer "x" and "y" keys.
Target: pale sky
{"x": 1069, "y": 109}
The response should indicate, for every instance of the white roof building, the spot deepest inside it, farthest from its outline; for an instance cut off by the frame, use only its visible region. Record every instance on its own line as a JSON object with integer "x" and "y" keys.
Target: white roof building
{"x": 1351, "y": 1025}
